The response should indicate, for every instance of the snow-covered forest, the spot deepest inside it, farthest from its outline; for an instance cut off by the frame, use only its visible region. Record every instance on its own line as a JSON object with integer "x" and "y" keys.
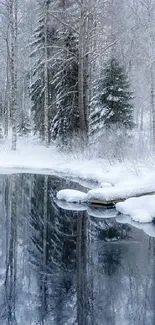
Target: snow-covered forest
{"x": 77, "y": 162}
{"x": 80, "y": 69}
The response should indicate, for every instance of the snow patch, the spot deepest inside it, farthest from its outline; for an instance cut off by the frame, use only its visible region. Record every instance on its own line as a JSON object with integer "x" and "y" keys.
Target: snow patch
{"x": 141, "y": 209}
{"x": 141, "y": 215}
{"x": 105, "y": 185}
{"x": 72, "y": 196}
{"x": 123, "y": 190}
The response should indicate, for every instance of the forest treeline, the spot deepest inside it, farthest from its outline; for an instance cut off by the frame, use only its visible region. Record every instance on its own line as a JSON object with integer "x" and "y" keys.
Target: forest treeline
{"x": 76, "y": 68}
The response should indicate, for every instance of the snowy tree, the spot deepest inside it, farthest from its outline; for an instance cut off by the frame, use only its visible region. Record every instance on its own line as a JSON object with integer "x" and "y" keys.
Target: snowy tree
{"x": 13, "y": 67}
{"x": 66, "y": 120}
{"x": 96, "y": 30}
{"x": 87, "y": 26}
{"x": 23, "y": 126}
{"x": 42, "y": 90}
{"x": 111, "y": 103}
{"x": 74, "y": 74}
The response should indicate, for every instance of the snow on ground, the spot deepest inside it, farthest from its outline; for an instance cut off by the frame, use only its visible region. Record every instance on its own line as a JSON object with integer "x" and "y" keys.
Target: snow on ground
{"x": 141, "y": 215}
{"x": 72, "y": 196}
{"x": 123, "y": 191}
{"x": 141, "y": 209}
{"x": 105, "y": 185}
{"x": 127, "y": 178}
{"x": 33, "y": 157}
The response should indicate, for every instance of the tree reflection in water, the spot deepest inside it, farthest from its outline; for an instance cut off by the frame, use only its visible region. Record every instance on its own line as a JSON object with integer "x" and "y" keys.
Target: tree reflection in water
{"x": 63, "y": 267}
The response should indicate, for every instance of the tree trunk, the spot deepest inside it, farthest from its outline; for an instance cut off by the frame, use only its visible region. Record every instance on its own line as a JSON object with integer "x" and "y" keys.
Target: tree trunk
{"x": 13, "y": 67}
{"x": 7, "y": 100}
{"x": 85, "y": 62}
{"x": 46, "y": 138}
{"x": 151, "y": 55}
{"x": 81, "y": 83}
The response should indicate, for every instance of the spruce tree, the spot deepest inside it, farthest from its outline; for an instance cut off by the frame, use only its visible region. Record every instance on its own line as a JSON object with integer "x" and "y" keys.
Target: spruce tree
{"x": 66, "y": 120}
{"x": 23, "y": 126}
{"x": 38, "y": 74}
{"x": 111, "y": 104}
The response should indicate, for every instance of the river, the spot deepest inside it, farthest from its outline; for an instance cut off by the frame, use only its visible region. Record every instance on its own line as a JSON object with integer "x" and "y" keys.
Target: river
{"x": 64, "y": 267}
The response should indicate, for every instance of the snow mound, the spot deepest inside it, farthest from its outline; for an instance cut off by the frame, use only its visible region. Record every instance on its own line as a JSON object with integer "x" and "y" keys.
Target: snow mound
{"x": 72, "y": 196}
{"x": 141, "y": 209}
{"x": 106, "y": 185}
{"x": 121, "y": 191}
{"x": 141, "y": 215}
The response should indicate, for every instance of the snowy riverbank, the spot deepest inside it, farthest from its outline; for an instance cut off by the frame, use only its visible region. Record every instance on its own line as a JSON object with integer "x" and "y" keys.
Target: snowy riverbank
{"x": 32, "y": 157}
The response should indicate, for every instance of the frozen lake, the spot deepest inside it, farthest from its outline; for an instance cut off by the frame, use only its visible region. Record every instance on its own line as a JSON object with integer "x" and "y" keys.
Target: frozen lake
{"x": 64, "y": 267}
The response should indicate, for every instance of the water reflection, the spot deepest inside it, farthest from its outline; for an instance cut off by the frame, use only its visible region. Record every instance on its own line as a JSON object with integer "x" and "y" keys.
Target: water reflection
{"x": 69, "y": 267}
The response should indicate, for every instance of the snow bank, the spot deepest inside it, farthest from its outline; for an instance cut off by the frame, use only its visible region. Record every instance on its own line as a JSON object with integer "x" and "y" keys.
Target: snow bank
{"x": 71, "y": 196}
{"x": 141, "y": 209}
{"x": 106, "y": 185}
{"x": 32, "y": 156}
{"x": 123, "y": 190}
{"x": 141, "y": 215}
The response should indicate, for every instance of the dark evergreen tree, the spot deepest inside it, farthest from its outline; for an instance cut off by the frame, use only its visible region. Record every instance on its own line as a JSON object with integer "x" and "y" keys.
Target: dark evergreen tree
{"x": 38, "y": 74}
{"x": 111, "y": 104}
{"x": 23, "y": 126}
{"x": 66, "y": 120}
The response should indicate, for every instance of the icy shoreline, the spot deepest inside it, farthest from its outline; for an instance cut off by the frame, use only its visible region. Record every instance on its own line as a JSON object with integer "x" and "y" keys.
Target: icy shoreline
{"x": 33, "y": 157}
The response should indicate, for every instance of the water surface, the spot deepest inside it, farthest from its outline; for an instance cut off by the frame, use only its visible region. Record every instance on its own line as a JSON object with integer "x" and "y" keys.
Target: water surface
{"x": 62, "y": 267}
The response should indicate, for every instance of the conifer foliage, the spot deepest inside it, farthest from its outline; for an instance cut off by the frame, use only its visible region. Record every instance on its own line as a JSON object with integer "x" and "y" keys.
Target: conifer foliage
{"x": 111, "y": 104}
{"x": 42, "y": 51}
{"x": 23, "y": 126}
{"x": 66, "y": 120}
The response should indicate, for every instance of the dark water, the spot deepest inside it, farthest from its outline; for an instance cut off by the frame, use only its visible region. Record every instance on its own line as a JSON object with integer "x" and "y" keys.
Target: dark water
{"x": 62, "y": 267}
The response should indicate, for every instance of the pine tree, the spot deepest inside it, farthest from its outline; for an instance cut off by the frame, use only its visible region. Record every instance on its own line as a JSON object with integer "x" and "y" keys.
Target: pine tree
{"x": 42, "y": 89}
{"x": 23, "y": 126}
{"x": 111, "y": 104}
{"x": 66, "y": 120}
